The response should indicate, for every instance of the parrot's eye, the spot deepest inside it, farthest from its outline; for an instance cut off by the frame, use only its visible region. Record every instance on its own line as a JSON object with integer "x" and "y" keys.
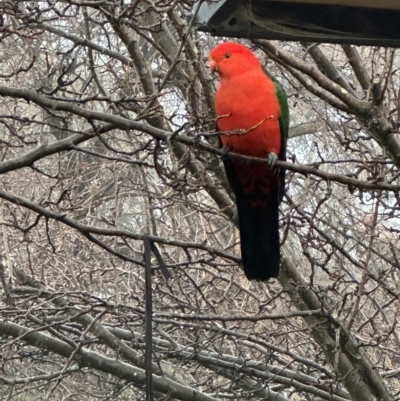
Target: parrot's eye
{"x": 227, "y": 55}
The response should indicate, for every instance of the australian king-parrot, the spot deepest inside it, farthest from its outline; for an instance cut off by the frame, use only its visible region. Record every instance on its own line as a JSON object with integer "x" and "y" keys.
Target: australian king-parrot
{"x": 253, "y": 119}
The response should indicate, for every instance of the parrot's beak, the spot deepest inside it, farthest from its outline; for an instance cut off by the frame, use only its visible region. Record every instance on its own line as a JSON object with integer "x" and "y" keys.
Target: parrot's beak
{"x": 212, "y": 65}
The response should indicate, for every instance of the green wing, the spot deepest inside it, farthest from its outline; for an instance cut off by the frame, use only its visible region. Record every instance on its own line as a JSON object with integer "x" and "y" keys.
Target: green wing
{"x": 284, "y": 118}
{"x": 284, "y": 127}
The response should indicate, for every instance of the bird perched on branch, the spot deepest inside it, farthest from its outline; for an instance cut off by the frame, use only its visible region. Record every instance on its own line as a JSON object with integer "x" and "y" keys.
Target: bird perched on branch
{"x": 253, "y": 119}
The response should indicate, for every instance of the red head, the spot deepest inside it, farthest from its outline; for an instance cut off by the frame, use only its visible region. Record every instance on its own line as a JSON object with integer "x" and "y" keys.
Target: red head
{"x": 231, "y": 58}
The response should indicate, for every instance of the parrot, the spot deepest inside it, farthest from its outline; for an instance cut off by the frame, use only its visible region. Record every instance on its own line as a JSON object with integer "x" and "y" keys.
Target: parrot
{"x": 252, "y": 117}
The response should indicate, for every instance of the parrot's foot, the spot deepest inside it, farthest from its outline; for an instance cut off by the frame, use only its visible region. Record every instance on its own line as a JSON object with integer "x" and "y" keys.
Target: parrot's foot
{"x": 272, "y": 159}
{"x": 225, "y": 152}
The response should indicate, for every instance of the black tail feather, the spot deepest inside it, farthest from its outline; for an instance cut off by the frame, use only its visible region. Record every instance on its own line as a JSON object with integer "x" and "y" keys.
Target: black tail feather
{"x": 259, "y": 237}
{"x": 258, "y": 225}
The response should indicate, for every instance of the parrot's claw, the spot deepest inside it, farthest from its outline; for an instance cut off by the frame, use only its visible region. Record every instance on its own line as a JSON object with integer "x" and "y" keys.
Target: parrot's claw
{"x": 225, "y": 152}
{"x": 272, "y": 159}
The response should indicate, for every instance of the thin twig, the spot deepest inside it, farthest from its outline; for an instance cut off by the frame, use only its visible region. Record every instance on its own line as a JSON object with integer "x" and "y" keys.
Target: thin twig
{"x": 148, "y": 320}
